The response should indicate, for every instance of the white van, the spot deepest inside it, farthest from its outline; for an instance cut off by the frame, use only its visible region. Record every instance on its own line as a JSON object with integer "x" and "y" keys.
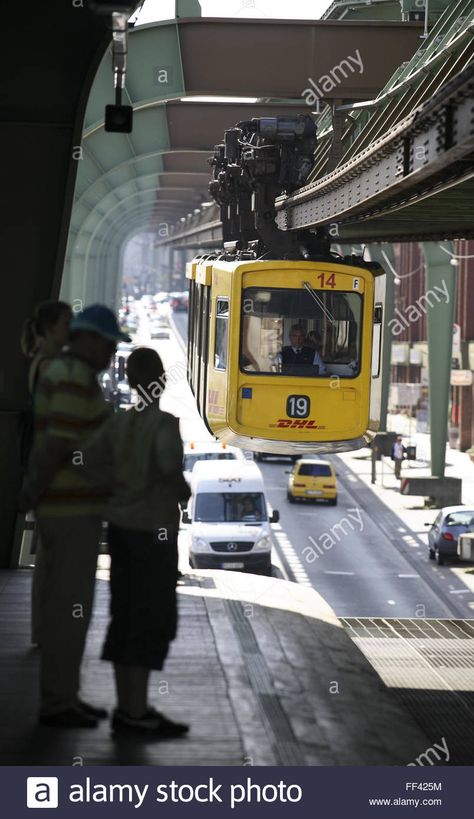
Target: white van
{"x": 230, "y": 526}
{"x": 197, "y": 451}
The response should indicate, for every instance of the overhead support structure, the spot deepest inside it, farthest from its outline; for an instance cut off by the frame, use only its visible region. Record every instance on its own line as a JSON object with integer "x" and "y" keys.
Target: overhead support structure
{"x": 165, "y": 65}
{"x": 385, "y": 192}
{"x": 407, "y": 165}
{"x": 440, "y": 306}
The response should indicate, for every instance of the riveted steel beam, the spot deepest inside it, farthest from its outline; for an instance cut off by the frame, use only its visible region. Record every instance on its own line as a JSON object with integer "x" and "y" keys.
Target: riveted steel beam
{"x": 426, "y": 153}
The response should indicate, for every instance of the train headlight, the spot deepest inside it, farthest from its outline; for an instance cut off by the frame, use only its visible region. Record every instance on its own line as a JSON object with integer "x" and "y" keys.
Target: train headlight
{"x": 263, "y": 543}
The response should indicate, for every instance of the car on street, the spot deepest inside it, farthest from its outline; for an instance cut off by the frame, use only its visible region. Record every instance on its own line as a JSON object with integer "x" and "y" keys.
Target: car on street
{"x": 159, "y": 329}
{"x": 179, "y": 302}
{"x": 311, "y": 479}
{"x": 443, "y": 534}
{"x": 196, "y": 451}
{"x": 228, "y": 517}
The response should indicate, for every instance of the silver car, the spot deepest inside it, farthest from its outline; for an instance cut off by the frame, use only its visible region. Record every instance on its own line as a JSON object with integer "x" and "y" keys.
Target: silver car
{"x": 451, "y": 522}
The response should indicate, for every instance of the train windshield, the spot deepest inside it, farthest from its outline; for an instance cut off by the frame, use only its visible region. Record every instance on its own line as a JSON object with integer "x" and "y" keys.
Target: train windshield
{"x": 303, "y": 332}
{"x": 230, "y": 507}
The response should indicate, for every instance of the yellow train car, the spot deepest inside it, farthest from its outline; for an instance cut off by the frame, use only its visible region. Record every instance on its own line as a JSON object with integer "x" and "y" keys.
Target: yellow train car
{"x": 285, "y": 356}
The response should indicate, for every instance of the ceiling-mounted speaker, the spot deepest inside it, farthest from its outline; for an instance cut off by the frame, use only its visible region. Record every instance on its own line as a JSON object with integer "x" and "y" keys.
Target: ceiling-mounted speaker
{"x": 119, "y": 119}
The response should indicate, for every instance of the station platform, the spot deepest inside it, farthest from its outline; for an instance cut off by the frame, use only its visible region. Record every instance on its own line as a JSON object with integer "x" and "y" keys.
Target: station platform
{"x": 262, "y": 670}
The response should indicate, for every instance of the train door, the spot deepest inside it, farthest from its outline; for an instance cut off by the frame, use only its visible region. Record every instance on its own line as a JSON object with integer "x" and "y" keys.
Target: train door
{"x": 192, "y": 322}
{"x": 204, "y": 354}
{"x": 218, "y": 372}
{"x": 201, "y": 330}
{"x": 377, "y": 353}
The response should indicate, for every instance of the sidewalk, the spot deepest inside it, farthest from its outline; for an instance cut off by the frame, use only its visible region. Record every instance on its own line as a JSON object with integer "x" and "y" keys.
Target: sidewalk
{"x": 262, "y": 670}
{"x": 458, "y": 464}
{"x": 410, "y": 508}
{"x": 411, "y": 533}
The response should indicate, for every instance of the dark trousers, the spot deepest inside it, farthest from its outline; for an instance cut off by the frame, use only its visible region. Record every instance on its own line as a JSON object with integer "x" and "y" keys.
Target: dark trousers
{"x": 398, "y": 466}
{"x": 143, "y": 575}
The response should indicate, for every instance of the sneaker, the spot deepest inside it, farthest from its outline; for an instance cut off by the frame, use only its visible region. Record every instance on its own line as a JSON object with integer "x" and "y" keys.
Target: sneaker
{"x": 92, "y": 710}
{"x": 70, "y": 718}
{"x": 152, "y": 724}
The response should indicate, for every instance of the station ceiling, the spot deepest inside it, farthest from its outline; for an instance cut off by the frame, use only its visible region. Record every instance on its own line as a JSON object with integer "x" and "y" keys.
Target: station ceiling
{"x": 159, "y": 173}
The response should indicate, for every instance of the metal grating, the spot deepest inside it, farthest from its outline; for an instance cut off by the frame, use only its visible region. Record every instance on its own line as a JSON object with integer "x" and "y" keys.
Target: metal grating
{"x": 429, "y": 664}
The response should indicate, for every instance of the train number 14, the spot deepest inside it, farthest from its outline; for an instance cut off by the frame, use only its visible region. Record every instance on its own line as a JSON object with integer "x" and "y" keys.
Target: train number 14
{"x": 327, "y": 281}
{"x": 298, "y": 406}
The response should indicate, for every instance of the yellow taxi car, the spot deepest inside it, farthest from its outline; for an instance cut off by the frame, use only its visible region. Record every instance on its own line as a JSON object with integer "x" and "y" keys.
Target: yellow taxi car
{"x": 312, "y": 480}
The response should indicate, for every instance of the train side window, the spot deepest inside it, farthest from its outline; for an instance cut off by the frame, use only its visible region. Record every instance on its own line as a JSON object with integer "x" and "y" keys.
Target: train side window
{"x": 221, "y": 334}
{"x": 377, "y": 341}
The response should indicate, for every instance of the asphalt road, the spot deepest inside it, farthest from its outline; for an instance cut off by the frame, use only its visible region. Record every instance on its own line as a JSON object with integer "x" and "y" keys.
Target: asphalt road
{"x": 354, "y": 554}
{"x": 347, "y": 555}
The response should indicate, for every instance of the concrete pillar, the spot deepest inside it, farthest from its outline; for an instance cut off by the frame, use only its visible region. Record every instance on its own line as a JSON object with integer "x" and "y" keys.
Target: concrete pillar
{"x": 439, "y": 307}
{"x": 165, "y": 267}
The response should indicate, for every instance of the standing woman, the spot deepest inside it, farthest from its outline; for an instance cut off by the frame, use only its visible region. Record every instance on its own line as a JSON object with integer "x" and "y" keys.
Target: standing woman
{"x": 43, "y": 337}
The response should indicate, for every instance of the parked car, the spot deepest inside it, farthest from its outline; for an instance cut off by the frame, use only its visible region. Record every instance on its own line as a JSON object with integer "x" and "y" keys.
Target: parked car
{"x": 312, "y": 480}
{"x": 444, "y": 532}
{"x": 158, "y": 329}
{"x": 179, "y": 301}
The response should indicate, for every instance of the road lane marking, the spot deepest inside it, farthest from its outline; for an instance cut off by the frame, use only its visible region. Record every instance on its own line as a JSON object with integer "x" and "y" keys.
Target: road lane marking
{"x": 409, "y": 575}
{"x": 291, "y": 556}
{"x": 391, "y": 602}
{"x": 334, "y": 572}
{"x": 460, "y": 591}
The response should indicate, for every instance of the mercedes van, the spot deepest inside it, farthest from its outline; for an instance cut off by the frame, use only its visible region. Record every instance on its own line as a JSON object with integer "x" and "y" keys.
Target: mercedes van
{"x": 228, "y": 517}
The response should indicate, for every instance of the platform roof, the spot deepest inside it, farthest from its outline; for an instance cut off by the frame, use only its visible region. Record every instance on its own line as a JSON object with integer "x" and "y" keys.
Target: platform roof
{"x": 159, "y": 173}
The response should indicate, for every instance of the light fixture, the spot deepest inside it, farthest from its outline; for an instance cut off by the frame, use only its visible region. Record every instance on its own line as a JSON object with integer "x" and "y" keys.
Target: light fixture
{"x": 118, "y": 117}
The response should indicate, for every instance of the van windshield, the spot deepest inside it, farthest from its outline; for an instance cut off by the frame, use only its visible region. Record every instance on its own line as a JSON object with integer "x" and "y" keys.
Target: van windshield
{"x": 191, "y": 460}
{"x": 230, "y": 507}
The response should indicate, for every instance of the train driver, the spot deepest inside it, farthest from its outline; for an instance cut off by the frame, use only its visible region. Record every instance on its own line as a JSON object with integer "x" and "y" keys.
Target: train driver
{"x": 298, "y": 358}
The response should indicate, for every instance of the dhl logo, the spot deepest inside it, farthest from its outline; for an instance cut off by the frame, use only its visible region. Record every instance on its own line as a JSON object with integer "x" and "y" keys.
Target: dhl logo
{"x": 289, "y": 423}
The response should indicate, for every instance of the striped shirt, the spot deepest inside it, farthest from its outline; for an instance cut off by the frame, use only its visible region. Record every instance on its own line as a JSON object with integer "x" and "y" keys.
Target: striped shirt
{"x": 69, "y": 404}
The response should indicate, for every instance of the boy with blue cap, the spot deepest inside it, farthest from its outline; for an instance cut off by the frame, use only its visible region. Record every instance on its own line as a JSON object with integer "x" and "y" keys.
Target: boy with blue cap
{"x": 69, "y": 406}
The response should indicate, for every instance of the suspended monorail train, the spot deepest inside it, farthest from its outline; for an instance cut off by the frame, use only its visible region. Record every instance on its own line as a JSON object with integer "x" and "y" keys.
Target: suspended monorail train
{"x": 285, "y": 356}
